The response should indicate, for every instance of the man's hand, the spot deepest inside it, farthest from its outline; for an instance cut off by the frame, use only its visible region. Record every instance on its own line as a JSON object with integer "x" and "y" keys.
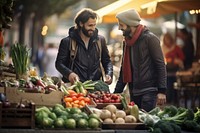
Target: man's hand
{"x": 73, "y": 77}
{"x": 161, "y": 99}
{"x": 108, "y": 79}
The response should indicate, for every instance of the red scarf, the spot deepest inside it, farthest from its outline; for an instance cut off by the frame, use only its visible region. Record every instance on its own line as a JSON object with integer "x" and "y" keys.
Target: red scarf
{"x": 126, "y": 66}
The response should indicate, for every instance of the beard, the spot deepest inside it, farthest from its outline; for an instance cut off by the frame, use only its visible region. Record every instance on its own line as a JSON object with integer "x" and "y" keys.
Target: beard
{"x": 86, "y": 32}
{"x": 126, "y": 32}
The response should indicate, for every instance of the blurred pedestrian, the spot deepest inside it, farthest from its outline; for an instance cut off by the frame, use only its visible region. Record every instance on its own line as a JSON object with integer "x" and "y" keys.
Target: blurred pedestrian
{"x": 38, "y": 59}
{"x": 49, "y": 60}
{"x": 174, "y": 58}
{"x": 188, "y": 47}
{"x": 143, "y": 66}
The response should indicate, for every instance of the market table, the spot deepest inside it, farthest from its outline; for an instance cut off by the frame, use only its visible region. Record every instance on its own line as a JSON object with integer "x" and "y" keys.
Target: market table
{"x": 188, "y": 86}
{"x": 73, "y": 131}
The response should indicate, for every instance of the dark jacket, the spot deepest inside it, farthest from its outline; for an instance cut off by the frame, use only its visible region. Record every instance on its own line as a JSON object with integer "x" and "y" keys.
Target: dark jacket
{"x": 87, "y": 61}
{"x": 147, "y": 64}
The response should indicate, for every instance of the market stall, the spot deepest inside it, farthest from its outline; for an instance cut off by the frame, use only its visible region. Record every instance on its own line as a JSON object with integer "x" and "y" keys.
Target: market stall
{"x": 188, "y": 85}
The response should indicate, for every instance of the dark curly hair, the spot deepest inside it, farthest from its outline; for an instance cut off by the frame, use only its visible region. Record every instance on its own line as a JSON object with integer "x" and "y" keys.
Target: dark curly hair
{"x": 84, "y": 15}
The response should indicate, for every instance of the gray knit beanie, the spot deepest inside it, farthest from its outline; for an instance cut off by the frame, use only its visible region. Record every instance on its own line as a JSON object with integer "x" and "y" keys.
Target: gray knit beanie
{"x": 129, "y": 17}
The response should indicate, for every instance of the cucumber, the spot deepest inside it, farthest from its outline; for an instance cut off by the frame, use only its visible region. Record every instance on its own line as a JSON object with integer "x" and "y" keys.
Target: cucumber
{"x": 135, "y": 111}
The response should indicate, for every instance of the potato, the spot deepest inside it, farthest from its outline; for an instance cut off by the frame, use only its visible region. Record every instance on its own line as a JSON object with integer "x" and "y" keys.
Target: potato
{"x": 112, "y": 108}
{"x": 120, "y": 121}
{"x": 120, "y": 114}
{"x": 105, "y": 114}
{"x": 108, "y": 121}
{"x": 130, "y": 119}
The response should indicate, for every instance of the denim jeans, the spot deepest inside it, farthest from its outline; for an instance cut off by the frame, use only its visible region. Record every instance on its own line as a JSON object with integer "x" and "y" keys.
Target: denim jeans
{"x": 146, "y": 101}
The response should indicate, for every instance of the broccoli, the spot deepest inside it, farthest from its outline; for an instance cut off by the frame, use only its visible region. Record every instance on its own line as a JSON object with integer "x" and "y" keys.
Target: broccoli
{"x": 189, "y": 125}
{"x": 168, "y": 111}
{"x": 180, "y": 110}
{"x": 156, "y": 130}
{"x": 188, "y": 114}
{"x": 166, "y": 127}
{"x": 197, "y": 128}
{"x": 176, "y": 128}
{"x": 154, "y": 111}
{"x": 100, "y": 86}
{"x": 197, "y": 115}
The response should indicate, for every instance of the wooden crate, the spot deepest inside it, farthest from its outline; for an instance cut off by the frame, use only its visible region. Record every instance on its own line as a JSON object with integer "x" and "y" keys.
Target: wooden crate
{"x": 40, "y": 99}
{"x": 125, "y": 126}
{"x": 12, "y": 117}
{"x": 2, "y": 90}
{"x": 102, "y": 105}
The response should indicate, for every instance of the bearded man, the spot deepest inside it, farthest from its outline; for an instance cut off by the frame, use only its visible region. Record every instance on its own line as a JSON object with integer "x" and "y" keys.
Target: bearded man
{"x": 143, "y": 67}
{"x": 86, "y": 64}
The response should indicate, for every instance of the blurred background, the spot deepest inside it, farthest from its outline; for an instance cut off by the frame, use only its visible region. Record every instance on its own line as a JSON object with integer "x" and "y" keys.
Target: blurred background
{"x": 40, "y": 23}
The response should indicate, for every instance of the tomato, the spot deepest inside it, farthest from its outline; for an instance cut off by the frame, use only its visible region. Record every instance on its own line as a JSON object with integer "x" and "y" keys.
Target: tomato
{"x": 74, "y": 98}
{"x": 112, "y": 101}
{"x": 100, "y": 100}
{"x": 106, "y": 100}
{"x": 68, "y": 104}
{"x": 82, "y": 102}
{"x": 75, "y": 105}
{"x": 81, "y": 98}
{"x": 108, "y": 94}
{"x": 87, "y": 99}
{"x": 72, "y": 93}
{"x": 80, "y": 106}
{"x": 68, "y": 99}
{"x": 80, "y": 94}
{"x": 115, "y": 96}
{"x": 117, "y": 100}
{"x": 96, "y": 100}
{"x": 76, "y": 101}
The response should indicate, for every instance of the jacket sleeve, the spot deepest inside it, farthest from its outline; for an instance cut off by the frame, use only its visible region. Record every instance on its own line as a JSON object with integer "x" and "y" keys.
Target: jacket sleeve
{"x": 105, "y": 58}
{"x": 63, "y": 58}
{"x": 158, "y": 59}
{"x": 119, "y": 88}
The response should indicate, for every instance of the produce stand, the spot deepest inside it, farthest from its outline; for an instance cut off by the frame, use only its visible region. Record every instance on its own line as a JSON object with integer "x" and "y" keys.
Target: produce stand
{"x": 188, "y": 86}
{"x": 73, "y": 131}
{"x": 17, "y": 117}
{"x": 40, "y": 99}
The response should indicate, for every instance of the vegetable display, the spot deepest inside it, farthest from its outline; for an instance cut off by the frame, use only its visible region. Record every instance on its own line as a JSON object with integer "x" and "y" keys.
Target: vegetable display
{"x": 171, "y": 119}
{"x": 65, "y": 118}
{"x": 74, "y": 99}
{"x": 20, "y": 59}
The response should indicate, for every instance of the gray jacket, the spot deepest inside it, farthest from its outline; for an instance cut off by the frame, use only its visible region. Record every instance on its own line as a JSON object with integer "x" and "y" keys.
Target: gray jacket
{"x": 147, "y": 64}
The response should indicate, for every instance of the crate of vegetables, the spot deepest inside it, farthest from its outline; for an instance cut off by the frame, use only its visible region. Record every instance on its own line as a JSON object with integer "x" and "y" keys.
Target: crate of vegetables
{"x": 102, "y": 99}
{"x": 79, "y": 100}
{"x": 13, "y": 115}
{"x": 13, "y": 94}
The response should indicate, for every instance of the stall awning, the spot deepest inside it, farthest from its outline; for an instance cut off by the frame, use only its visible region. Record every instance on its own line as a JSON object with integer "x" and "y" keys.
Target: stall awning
{"x": 147, "y": 8}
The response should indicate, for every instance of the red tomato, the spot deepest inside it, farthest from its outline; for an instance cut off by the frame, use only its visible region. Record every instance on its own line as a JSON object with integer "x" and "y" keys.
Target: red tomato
{"x": 80, "y": 94}
{"x": 74, "y": 98}
{"x": 117, "y": 100}
{"x": 81, "y": 98}
{"x": 87, "y": 99}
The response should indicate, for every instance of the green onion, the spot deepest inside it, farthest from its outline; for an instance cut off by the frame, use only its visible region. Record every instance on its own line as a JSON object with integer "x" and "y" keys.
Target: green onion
{"x": 20, "y": 58}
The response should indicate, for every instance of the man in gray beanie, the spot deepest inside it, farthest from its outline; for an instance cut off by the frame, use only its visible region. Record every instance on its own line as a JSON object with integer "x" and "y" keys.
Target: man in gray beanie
{"x": 143, "y": 66}
{"x": 129, "y": 17}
